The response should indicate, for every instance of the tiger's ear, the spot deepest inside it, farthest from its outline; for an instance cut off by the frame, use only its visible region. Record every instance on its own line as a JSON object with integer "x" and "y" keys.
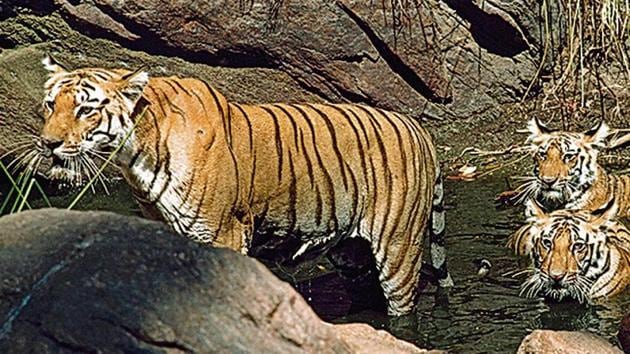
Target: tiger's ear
{"x": 536, "y": 129}
{"x": 534, "y": 211}
{"x": 605, "y": 213}
{"x": 132, "y": 85}
{"x": 52, "y": 65}
{"x": 597, "y": 135}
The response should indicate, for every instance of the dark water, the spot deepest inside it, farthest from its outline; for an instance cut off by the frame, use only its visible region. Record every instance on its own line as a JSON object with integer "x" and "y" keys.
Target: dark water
{"x": 480, "y": 315}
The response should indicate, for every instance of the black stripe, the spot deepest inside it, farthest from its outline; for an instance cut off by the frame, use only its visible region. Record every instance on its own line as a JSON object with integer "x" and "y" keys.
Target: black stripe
{"x": 134, "y": 158}
{"x": 292, "y": 194}
{"x": 329, "y": 181}
{"x": 335, "y": 144}
{"x": 189, "y": 188}
{"x": 384, "y": 164}
{"x": 249, "y": 127}
{"x": 158, "y": 142}
{"x": 309, "y": 162}
{"x": 293, "y": 124}
{"x": 404, "y": 176}
{"x": 180, "y": 86}
{"x": 169, "y": 175}
{"x": 278, "y": 139}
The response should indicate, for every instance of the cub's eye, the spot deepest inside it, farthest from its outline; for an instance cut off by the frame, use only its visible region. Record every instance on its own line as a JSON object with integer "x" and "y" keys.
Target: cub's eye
{"x": 50, "y": 105}
{"x": 83, "y": 111}
{"x": 546, "y": 243}
{"x": 569, "y": 156}
{"x": 579, "y": 247}
{"x": 541, "y": 155}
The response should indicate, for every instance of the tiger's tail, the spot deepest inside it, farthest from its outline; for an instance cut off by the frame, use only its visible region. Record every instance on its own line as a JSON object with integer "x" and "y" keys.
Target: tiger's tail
{"x": 437, "y": 240}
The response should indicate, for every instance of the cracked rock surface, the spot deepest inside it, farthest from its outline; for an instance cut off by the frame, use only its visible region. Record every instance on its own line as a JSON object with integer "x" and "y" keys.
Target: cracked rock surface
{"x": 96, "y": 281}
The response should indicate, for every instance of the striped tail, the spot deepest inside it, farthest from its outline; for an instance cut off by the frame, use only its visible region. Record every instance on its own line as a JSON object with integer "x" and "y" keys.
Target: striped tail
{"x": 437, "y": 241}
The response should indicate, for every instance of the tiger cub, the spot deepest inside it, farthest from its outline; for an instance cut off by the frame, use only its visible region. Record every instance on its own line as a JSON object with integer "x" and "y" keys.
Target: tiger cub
{"x": 579, "y": 254}
{"x": 217, "y": 171}
{"x": 566, "y": 172}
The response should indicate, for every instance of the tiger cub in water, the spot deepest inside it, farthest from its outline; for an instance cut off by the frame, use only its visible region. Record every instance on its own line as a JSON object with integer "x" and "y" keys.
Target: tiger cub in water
{"x": 579, "y": 254}
{"x": 566, "y": 172}
{"x": 216, "y": 171}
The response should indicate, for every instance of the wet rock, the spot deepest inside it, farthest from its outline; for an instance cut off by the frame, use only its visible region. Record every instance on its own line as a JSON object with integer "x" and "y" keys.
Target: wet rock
{"x": 560, "y": 342}
{"x": 87, "y": 281}
{"x": 624, "y": 333}
{"x": 364, "y": 339}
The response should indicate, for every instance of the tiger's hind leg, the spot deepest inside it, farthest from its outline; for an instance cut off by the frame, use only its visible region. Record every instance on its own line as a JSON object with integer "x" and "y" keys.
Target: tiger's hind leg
{"x": 437, "y": 241}
{"x": 398, "y": 259}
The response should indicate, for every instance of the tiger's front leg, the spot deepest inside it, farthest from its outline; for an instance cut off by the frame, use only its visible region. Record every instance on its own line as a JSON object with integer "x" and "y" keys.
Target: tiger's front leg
{"x": 236, "y": 236}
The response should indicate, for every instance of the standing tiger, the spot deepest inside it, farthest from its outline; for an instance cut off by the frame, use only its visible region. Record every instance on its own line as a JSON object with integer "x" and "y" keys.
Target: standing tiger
{"x": 217, "y": 171}
{"x": 575, "y": 253}
{"x": 566, "y": 172}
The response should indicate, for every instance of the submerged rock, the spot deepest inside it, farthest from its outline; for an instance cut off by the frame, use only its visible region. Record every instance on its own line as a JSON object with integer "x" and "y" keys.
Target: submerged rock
{"x": 561, "y": 342}
{"x": 88, "y": 281}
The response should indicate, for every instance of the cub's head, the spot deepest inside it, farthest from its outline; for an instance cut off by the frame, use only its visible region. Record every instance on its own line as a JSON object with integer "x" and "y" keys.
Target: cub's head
{"x": 86, "y": 113}
{"x": 565, "y": 163}
{"x": 570, "y": 251}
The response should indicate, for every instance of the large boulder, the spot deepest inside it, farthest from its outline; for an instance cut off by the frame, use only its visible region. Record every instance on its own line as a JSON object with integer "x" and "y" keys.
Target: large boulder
{"x": 95, "y": 281}
{"x": 566, "y": 342}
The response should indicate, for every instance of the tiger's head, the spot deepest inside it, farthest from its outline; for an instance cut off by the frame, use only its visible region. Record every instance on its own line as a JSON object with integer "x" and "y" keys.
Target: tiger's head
{"x": 565, "y": 163}
{"x": 87, "y": 112}
{"x": 570, "y": 251}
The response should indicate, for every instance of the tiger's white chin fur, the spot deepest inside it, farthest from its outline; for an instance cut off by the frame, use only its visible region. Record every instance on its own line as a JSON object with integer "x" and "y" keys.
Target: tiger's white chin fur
{"x": 66, "y": 175}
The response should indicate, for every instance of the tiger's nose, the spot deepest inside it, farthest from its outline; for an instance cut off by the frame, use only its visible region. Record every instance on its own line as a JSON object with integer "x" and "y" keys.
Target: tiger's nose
{"x": 556, "y": 276}
{"x": 549, "y": 181}
{"x": 50, "y": 145}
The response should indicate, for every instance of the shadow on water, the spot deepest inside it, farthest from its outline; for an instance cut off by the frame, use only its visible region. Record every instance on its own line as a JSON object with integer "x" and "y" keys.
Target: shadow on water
{"x": 480, "y": 314}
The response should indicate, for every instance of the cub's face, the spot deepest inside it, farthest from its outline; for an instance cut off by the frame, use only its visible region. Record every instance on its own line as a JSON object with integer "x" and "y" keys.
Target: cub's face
{"x": 565, "y": 163}
{"x": 569, "y": 253}
{"x": 86, "y": 114}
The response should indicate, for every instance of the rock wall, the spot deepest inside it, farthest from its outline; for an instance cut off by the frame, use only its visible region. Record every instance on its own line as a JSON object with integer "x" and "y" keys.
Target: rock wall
{"x": 444, "y": 61}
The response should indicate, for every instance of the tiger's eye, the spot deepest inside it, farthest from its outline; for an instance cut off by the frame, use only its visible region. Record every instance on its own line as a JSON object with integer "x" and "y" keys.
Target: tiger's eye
{"x": 546, "y": 243}
{"x": 579, "y": 247}
{"x": 83, "y": 111}
{"x": 569, "y": 157}
{"x": 50, "y": 105}
{"x": 541, "y": 155}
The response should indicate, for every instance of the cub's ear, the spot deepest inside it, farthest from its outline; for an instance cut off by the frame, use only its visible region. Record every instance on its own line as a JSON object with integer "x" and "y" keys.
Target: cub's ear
{"x": 605, "y": 213}
{"x": 536, "y": 129}
{"x": 534, "y": 211}
{"x": 597, "y": 135}
{"x": 132, "y": 85}
{"x": 52, "y": 65}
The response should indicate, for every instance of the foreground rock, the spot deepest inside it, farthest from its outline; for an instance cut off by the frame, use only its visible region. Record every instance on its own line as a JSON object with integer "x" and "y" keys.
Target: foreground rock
{"x": 561, "y": 342}
{"x": 74, "y": 281}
